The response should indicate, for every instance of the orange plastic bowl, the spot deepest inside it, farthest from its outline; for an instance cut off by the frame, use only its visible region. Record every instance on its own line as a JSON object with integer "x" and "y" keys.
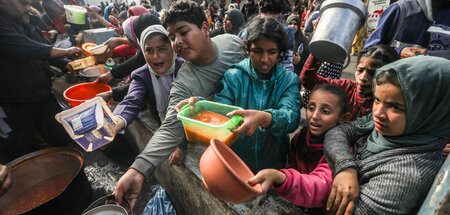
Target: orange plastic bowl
{"x": 80, "y": 93}
{"x": 87, "y": 46}
{"x": 225, "y": 175}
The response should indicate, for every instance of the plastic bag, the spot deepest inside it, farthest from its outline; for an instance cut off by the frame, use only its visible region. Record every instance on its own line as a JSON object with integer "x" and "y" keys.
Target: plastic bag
{"x": 160, "y": 204}
{"x": 62, "y": 42}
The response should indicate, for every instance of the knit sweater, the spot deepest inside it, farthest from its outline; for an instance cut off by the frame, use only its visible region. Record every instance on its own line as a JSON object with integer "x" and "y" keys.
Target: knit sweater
{"x": 394, "y": 181}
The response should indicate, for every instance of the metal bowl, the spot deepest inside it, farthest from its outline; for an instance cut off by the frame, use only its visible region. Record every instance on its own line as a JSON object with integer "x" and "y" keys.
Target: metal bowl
{"x": 91, "y": 73}
{"x": 39, "y": 177}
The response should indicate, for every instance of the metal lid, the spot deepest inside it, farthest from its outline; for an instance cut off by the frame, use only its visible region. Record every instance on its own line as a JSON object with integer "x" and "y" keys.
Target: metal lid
{"x": 356, "y": 5}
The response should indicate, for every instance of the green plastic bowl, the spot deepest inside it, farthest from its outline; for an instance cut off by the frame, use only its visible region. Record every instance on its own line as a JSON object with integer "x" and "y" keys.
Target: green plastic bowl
{"x": 201, "y": 132}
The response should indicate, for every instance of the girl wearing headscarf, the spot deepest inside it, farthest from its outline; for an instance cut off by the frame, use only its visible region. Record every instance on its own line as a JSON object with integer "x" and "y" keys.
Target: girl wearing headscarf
{"x": 133, "y": 28}
{"x": 232, "y": 23}
{"x": 137, "y": 11}
{"x": 398, "y": 149}
{"x": 150, "y": 83}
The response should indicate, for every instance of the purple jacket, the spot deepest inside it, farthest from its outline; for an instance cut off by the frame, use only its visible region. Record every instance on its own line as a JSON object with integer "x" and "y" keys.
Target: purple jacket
{"x": 139, "y": 94}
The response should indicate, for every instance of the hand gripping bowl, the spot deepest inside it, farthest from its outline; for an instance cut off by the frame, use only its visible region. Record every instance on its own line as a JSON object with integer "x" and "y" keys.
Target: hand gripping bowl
{"x": 39, "y": 177}
{"x": 225, "y": 175}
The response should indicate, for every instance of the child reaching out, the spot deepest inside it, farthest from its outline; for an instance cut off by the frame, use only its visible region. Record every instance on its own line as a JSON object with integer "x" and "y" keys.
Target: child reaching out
{"x": 268, "y": 92}
{"x": 310, "y": 183}
{"x": 360, "y": 91}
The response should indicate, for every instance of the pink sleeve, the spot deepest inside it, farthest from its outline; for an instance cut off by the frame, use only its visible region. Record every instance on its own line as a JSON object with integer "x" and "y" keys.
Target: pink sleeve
{"x": 307, "y": 190}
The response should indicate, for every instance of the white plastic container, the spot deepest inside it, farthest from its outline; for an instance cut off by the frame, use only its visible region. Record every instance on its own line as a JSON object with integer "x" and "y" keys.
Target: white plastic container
{"x": 75, "y": 14}
{"x": 91, "y": 124}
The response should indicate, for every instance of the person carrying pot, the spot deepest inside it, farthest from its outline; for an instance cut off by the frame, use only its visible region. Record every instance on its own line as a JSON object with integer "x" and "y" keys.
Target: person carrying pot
{"x": 26, "y": 94}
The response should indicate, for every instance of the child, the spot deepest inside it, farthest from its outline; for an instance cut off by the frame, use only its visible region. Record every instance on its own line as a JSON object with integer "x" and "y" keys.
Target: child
{"x": 152, "y": 82}
{"x": 206, "y": 61}
{"x": 268, "y": 92}
{"x": 360, "y": 91}
{"x": 398, "y": 148}
{"x": 309, "y": 184}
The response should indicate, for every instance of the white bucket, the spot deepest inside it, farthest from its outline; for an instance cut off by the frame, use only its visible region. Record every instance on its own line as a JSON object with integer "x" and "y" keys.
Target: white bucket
{"x": 75, "y": 14}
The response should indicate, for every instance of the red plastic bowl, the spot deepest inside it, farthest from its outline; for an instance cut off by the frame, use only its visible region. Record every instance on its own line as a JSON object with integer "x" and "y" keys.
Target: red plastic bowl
{"x": 225, "y": 175}
{"x": 80, "y": 93}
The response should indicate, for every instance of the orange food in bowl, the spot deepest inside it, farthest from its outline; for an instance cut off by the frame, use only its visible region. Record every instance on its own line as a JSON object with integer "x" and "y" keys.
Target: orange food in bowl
{"x": 225, "y": 175}
{"x": 198, "y": 136}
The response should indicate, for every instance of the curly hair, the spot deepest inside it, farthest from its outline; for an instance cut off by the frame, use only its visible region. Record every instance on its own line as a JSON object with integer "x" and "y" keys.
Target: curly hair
{"x": 184, "y": 10}
{"x": 271, "y": 6}
{"x": 268, "y": 28}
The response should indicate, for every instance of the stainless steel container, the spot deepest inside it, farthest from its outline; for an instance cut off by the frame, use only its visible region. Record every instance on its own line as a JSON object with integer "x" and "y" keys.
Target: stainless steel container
{"x": 339, "y": 22}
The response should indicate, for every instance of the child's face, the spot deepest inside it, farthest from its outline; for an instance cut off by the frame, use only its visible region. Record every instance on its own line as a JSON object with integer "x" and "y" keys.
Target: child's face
{"x": 188, "y": 41}
{"x": 364, "y": 74}
{"x": 264, "y": 54}
{"x": 323, "y": 112}
{"x": 389, "y": 110}
{"x": 159, "y": 54}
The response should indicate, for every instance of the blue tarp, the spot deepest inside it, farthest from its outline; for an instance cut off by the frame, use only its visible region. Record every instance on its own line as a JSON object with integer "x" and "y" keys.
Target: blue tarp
{"x": 160, "y": 204}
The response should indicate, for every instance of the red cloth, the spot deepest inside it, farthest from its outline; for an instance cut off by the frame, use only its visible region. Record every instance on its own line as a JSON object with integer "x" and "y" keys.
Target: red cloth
{"x": 124, "y": 51}
{"x": 138, "y": 10}
{"x": 360, "y": 105}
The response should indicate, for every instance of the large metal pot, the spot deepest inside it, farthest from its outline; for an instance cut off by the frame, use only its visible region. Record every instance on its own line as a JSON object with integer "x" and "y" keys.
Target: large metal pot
{"x": 39, "y": 177}
{"x": 339, "y": 22}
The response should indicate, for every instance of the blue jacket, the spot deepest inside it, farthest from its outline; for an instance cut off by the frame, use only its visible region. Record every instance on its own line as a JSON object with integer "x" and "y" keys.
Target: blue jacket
{"x": 267, "y": 147}
{"x": 413, "y": 31}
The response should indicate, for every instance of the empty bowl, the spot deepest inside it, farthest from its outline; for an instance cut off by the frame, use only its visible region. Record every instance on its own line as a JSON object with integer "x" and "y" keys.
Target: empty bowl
{"x": 97, "y": 50}
{"x": 91, "y": 73}
{"x": 225, "y": 175}
{"x": 80, "y": 93}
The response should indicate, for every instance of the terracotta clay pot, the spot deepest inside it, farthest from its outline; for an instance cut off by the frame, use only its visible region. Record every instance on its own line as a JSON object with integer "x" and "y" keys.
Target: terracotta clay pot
{"x": 225, "y": 175}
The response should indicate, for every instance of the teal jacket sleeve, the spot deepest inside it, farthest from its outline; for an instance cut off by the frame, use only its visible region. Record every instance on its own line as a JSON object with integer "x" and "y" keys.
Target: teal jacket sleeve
{"x": 286, "y": 118}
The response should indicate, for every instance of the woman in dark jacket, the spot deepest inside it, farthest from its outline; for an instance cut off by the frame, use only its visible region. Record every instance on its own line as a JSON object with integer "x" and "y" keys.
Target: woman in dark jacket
{"x": 299, "y": 58}
{"x": 232, "y": 23}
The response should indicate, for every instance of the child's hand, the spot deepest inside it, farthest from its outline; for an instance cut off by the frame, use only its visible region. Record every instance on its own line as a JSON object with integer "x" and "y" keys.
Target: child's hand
{"x": 267, "y": 177}
{"x": 191, "y": 101}
{"x": 252, "y": 120}
{"x": 120, "y": 125}
{"x": 344, "y": 192}
{"x": 177, "y": 157}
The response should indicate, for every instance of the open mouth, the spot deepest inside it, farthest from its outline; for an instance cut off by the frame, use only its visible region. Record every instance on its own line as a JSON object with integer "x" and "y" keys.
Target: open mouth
{"x": 315, "y": 125}
{"x": 158, "y": 65}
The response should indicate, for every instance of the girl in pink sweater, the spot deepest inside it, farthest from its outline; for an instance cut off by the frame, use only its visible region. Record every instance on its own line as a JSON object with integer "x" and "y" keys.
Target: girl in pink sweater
{"x": 309, "y": 184}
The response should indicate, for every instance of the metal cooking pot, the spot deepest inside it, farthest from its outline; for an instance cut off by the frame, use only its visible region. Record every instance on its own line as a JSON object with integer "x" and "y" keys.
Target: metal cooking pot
{"x": 339, "y": 22}
{"x": 39, "y": 177}
{"x": 102, "y": 206}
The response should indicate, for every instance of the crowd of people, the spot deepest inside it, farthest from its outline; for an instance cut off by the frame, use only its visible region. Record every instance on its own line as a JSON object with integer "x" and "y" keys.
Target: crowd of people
{"x": 369, "y": 146}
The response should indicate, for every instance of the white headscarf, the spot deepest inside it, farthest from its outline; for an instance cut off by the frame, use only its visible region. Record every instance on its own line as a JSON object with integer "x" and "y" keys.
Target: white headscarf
{"x": 128, "y": 27}
{"x": 161, "y": 82}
